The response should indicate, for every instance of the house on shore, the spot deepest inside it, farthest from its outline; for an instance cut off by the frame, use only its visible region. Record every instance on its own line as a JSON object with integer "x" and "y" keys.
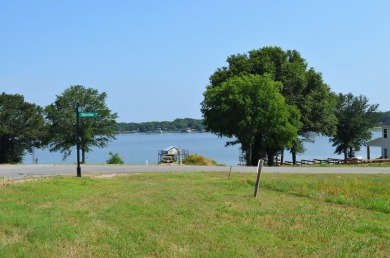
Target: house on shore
{"x": 172, "y": 154}
{"x": 383, "y": 142}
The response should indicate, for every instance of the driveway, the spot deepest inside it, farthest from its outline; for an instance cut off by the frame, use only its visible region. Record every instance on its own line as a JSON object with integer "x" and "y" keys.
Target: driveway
{"x": 23, "y": 171}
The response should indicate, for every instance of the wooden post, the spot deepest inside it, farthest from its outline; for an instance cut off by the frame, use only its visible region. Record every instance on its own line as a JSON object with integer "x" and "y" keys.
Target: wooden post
{"x": 230, "y": 171}
{"x": 259, "y": 166}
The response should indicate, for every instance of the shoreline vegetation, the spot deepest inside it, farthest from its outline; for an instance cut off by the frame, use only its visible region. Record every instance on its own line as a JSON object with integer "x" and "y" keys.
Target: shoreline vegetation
{"x": 197, "y": 215}
{"x": 180, "y": 125}
{"x": 185, "y": 125}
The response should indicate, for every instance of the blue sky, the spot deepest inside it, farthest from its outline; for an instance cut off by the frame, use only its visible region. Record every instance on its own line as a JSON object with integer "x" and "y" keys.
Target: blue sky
{"x": 154, "y": 58}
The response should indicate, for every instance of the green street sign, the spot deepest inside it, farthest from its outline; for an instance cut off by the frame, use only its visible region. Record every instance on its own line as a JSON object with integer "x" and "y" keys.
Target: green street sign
{"x": 88, "y": 114}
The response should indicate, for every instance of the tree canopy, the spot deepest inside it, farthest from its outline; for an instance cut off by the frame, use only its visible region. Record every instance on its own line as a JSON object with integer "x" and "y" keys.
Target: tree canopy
{"x": 61, "y": 116}
{"x": 356, "y": 117}
{"x": 302, "y": 87}
{"x": 22, "y": 127}
{"x": 252, "y": 109}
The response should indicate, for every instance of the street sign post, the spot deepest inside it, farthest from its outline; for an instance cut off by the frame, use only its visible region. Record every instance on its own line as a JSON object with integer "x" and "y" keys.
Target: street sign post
{"x": 78, "y": 109}
{"x": 81, "y": 114}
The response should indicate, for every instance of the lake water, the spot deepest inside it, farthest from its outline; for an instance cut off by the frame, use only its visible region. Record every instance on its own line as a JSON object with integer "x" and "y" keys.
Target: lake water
{"x": 137, "y": 148}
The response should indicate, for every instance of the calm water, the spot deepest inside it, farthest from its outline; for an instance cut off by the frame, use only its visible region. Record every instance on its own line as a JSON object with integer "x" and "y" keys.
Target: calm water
{"x": 143, "y": 148}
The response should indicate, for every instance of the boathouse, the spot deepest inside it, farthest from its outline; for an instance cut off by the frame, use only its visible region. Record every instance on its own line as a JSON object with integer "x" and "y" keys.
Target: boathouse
{"x": 383, "y": 142}
{"x": 172, "y": 154}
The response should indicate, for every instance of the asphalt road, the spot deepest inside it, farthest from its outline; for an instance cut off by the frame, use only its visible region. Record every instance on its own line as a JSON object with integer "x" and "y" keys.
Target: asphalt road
{"x": 12, "y": 172}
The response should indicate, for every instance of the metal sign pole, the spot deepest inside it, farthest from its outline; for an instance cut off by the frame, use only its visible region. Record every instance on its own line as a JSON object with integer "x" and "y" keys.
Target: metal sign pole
{"x": 78, "y": 139}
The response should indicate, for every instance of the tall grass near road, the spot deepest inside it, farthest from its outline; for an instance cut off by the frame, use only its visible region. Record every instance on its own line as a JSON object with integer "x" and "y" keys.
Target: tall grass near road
{"x": 364, "y": 191}
{"x": 191, "y": 215}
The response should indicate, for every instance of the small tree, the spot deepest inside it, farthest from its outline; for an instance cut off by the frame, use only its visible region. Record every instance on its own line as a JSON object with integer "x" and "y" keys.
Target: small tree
{"x": 93, "y": 131}
{"x": 114, "y": 159}
{"x": 356, "y": 118}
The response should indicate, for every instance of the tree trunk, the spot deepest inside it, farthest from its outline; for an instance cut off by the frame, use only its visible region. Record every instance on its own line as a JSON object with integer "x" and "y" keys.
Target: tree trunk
{"x": 282, "y": 156}
{"x": 249, "y": 156}
{"x": 271, "y": 157}
{"x": 345, "y": 154}
{"x": 294, "y": 157}
{"x": 255, "y": 157}
{"x": 82, "y": 156}
{"x": 256, "y": 151}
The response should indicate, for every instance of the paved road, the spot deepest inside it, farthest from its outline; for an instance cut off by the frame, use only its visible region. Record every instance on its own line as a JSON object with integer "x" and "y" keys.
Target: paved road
{"x": 23, "y": 171}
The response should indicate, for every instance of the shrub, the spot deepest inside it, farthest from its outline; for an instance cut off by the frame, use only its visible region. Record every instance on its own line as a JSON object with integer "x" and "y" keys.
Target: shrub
{"x": 114, "y": 159}
{"x": 194, "y": 159}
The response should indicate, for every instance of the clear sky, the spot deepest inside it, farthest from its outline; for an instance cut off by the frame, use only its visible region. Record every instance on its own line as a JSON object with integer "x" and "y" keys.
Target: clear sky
{"x": 154, "y": 57}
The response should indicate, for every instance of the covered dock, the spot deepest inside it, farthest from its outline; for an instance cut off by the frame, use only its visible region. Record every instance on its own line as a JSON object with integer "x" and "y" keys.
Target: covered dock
{"x": 172, "y": 154}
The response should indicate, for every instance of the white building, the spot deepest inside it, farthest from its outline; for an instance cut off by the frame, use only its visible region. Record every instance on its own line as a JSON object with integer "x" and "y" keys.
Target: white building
{"x": 383, "y": 142}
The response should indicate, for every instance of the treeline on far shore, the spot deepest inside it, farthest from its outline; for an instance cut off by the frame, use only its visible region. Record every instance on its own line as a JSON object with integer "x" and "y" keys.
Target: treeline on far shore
{"x": 184, "y": 125}
{"x": 177, "y": 125}
{"x": 382, "y": 116}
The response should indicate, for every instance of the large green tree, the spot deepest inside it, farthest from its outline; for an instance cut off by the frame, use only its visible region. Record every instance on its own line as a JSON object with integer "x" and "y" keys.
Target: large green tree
{"x": 22, "y": 127}
{"x": 251, "y": 109}
{"x": 61, "y": 116}
{"x": 356, "y": 117}
{"x": 302, "y": 87}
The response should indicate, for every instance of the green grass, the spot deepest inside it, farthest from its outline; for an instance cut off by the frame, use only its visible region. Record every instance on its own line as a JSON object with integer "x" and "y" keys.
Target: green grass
{"x": 363, "y": 191}
{"x": 197, "y": 215}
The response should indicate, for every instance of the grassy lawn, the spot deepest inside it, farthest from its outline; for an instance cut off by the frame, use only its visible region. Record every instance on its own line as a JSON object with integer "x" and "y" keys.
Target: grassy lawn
{"x": 197, "y": 215}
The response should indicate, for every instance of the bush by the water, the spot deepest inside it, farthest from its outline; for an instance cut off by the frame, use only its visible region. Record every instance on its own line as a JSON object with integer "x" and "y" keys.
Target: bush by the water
{"x": 194, "y": 159}
{"x": 115, "y": 159}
